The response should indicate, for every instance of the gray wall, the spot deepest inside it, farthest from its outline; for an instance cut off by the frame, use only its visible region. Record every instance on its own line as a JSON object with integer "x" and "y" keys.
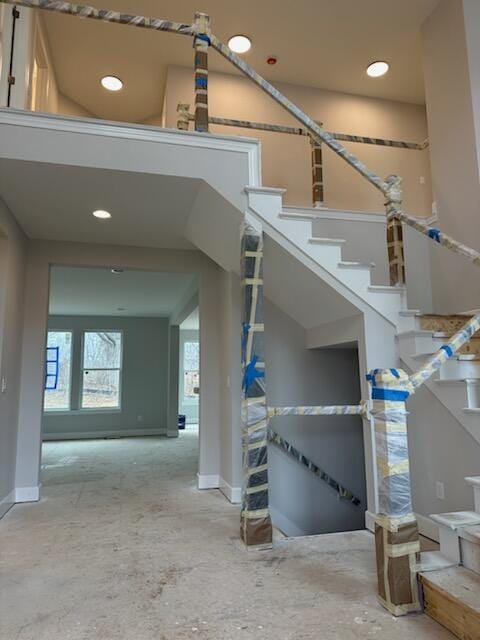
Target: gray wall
{"x": 301, "y": 503}
{"x": 12, "y": 283}
{"x": 144, "y": 384}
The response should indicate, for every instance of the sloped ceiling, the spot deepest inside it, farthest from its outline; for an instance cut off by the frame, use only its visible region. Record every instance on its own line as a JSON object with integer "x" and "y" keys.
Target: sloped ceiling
{"x": 319, "y": 43}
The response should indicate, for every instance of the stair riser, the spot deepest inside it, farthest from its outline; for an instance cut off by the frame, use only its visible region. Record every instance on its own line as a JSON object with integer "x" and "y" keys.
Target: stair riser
{"x": 476, "y": 498}
{"x": 449, "y": 544}
{"x": 459, "y": 369}
{"x": 470, "y": 555}
{"x": 473, "y": 394}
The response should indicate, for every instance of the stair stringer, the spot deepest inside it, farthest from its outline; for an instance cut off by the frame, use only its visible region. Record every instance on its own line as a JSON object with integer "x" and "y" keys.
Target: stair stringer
{"x": 352, "y": 281}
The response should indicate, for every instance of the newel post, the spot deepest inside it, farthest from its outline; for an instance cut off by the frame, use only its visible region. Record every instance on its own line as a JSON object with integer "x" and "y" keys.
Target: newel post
{"x": 255, "y": 523}
{"x": 396, "y": 257}
{"x": 318, "y": 195}
{"x": 201, "y": 44}
{"x": 397, "y": 542}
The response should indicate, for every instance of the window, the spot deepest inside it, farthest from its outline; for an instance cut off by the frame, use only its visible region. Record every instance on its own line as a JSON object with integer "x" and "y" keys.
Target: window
{"x": 191, "y": 368}
{"x": 101, "y": 374}
{"x": 58, "y": 368}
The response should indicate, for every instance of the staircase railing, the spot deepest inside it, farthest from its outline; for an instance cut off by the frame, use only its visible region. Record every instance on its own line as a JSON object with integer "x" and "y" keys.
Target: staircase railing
{"x": 397, "y": 541}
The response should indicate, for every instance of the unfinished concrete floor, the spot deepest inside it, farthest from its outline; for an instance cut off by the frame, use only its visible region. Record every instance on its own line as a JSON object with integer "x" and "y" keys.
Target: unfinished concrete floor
{"x": 123, "y": 547}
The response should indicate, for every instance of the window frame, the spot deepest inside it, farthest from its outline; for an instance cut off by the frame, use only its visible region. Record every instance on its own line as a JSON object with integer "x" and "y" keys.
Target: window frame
{"x": 70, "y": 378}
{"x": 118, "y": 408}
{"x": 189, "y": 400}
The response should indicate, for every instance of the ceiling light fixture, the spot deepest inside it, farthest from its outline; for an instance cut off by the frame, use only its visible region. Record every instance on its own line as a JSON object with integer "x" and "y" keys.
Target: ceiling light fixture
{"x": 377, "y": 69}
{"x": 116, "y": 270}
{"x": 111, "y": 83}
{"x": 103, "y": 215}
{"x": 239, "y": 44}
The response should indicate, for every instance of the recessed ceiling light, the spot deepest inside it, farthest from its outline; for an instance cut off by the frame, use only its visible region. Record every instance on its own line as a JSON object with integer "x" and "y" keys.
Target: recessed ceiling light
{"x": 116, "y": 270}
{"x": 103, "y": 215}
{"x": 377, "y": 69}
{"x": 111, "y": 83}
{"x": 239, "y": 44}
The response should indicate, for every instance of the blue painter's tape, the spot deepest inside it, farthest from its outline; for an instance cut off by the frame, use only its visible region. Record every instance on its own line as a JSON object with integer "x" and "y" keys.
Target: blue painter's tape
{"x": 204, "y": 38}
{"x": 201, "y": 82}
{"x": 252, "y": 373}
{"x": 389, "y": 394}
{"x": 448, "y": 350}
{"x": 395, "y": 373}
{"x": 434, "y": 234}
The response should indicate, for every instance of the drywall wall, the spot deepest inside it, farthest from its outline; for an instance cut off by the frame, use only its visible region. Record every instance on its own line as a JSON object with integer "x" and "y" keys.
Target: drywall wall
{"x": 286, "y": 159}
{"x": 12, "y": 283}
{"x": 301, "y": 503}
{"x": 43, "y": 254}
{"x": 366, "y": 241}
{"x": 453, "y": 128}
{"x": 188, "y": 406}
{"x": 144, "y": 379}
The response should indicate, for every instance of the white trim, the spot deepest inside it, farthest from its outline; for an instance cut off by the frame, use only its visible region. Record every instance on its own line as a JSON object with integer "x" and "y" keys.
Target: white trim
{"x": 426, "y": 526}
{"x": 27, "y": 494}
{"x": 7, "y": 503}
{"x": 91, "y": 435}
{"x": 208, "y": 482}
{"x": 74, "y": 124}
{"x": 233, "y": 494}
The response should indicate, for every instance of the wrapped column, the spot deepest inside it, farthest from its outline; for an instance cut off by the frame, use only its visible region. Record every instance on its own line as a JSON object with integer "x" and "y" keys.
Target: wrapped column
{"x": 201, "y": 44}
{"x": 396, "y": 258}
{"x": 317, "y": 174}
{"x": 256, "y": 525}
{"x": 397, "y": 543}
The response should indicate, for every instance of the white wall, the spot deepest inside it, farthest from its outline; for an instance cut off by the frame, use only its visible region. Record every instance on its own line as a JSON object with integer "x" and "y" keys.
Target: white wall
{"x": 12, "y": 283}
{"x": 453, "y": 130}
{"x": 41, "y": 255}
{"x": 143, "y": 385}
{"x": 286, "y": 158}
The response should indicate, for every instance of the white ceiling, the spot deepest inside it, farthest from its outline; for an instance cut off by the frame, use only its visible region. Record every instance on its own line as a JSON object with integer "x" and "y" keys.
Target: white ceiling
{"x": 55, "y": 202}
{"x": 319, "y": 43}
{"x": 99, "y": 292}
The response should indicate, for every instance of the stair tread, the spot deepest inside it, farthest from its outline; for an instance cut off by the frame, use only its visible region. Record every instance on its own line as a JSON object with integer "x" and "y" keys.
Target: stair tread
{"x": 457, "y": 519}
{"x": 472, "y": 410}
{"x": 356, "y": 265}
{"x": 472, "y": 534}
{"x": 474, "y": 481}
{"x": 384, "y": 288}
{"x": 433, "y": 561}
{"x": 461, "y": 584}
{"x": 297, "y": 216}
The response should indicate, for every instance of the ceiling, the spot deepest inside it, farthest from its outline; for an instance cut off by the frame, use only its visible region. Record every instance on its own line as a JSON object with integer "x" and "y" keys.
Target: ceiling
{"x": 55, "y": 202}
{"x": 99, "y": 292}
{"x": 319, "y": 43}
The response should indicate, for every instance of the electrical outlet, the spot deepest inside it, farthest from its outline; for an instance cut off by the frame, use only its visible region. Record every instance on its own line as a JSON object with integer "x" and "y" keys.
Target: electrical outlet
{"x": 422, "y": 180}
{"x": 440, "y": 490}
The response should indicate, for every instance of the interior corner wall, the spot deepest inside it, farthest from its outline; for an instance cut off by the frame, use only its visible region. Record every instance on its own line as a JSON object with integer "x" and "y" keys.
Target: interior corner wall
{"x": 301, "y": 504}
{"x": 454, "y": 153}
{"x": 286, "y": 159}
{"x": 173, "y": 374}
{"x": 12, "y": 289}
{"x": 143, "y": 386}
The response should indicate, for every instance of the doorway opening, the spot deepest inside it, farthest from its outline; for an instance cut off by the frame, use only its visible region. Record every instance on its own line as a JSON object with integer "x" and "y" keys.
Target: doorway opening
{"x": 114, "y": 359}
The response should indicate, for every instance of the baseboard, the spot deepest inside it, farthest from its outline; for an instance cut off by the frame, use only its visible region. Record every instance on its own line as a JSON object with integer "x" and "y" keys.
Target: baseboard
{"x": 208, "y": 482}
{"x": 285, "y": 525}
{"x": 27, "y": 494}
{"x": 426, "y": 527}
{"x": 92, "y": 435}
{"x": 7, "y": 503}
{"x": 233, "y": 494}
{"x": 172, "y": 434}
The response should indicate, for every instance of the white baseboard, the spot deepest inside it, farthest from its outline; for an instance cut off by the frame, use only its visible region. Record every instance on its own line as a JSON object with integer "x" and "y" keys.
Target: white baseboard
{"x": 172, "y": 434}
{"x": 27, "y": 494}
{"x": 426, "y": 527}
{"x": 285, "y": 525}
{"x": 7, "y": 503}
{"x": 208, "y": 482}
{"x": 91, "y": 435}
{"x": 234, "y": 494}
